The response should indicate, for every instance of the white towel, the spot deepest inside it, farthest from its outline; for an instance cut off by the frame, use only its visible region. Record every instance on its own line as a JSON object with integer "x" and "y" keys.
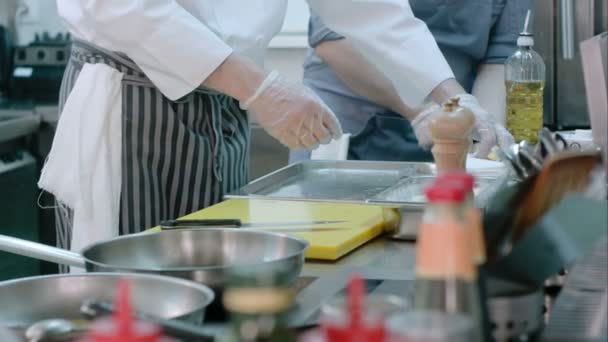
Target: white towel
{"x": 485, "y": 167}
{"x": 83, "y": 169}
{"x": 337, "y": 149}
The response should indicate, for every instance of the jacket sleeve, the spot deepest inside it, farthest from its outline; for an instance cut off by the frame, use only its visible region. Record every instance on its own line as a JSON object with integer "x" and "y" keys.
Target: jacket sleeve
{"x": 388, "y": 34}
{"x": 318, "y": 32}
{"x": 503, "y": 37}
{"x": 174, "y": 49}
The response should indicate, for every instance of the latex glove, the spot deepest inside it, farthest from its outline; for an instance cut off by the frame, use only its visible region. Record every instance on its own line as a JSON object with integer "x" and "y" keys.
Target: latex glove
{"x": 421, "y": 124}
{"x": 487, "y": 131}
{"x": 292, "y": 113}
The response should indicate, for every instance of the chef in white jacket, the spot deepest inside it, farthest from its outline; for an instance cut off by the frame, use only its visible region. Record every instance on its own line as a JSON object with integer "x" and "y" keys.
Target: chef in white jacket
{"x": 187, "y": 73}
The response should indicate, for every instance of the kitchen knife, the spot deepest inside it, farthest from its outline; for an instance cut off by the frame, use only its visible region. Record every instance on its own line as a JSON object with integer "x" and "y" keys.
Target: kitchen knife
{"x": 236, "y": 223}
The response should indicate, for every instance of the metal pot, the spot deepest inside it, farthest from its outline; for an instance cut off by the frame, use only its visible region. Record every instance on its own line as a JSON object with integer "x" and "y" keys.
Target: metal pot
{"x": 203, "y": 255}
{"x": 515, "y": 310}
{"x": 29, "y": 300}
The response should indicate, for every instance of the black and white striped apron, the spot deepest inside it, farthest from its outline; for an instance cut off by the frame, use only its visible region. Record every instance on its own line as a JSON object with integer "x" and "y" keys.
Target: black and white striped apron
{"x": 177, "y": 156}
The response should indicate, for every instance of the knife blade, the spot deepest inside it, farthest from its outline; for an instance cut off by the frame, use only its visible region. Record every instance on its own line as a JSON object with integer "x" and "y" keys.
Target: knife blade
{"x": 236, "y": 223}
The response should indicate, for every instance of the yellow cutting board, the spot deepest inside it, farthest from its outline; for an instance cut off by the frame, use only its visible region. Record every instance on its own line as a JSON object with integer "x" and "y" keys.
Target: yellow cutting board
{"x": 361, "y": 222}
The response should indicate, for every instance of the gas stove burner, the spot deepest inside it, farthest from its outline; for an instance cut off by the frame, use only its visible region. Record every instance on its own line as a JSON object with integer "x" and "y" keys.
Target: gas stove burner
{"x": 45, "y": 39}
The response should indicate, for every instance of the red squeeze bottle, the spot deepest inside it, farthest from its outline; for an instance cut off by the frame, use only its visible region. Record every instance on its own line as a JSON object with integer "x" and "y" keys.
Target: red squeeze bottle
{"x": 122, "y": 327}
{"x": 357, "y": 329}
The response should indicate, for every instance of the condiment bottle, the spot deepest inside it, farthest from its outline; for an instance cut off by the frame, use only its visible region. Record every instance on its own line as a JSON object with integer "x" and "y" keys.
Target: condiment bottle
{"x": 122, "y": 327}
{"x": 446, "y": 279}
{"x": 525, "y": 83}
{"x": 451, "y": 130}
{"x": 356, "y": 327}
{"x": 257, "y": 305}
{"x": 466, "y": 182}
{"x": 429, "y": 326}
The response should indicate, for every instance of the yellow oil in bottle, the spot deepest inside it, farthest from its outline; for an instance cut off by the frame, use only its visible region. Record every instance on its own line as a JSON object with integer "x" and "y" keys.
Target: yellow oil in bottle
{"x": 525, "y": 109}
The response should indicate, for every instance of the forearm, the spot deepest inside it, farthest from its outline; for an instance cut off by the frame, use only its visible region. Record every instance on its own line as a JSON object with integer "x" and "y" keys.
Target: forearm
{"x": 445, "y": 90}
{"x": 360, "y": 76}
{"x": 489, "y": 89}
{"x": 237, "y": 77}
{"x": 388, "y": 34}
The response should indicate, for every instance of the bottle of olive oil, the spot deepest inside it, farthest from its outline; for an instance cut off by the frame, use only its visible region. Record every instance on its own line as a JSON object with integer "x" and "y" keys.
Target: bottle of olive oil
{"x": 525, "y": 83}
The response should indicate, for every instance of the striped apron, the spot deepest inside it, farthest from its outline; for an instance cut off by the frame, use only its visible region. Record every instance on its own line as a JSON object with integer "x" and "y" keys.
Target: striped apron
{"x": 177, "y": 156}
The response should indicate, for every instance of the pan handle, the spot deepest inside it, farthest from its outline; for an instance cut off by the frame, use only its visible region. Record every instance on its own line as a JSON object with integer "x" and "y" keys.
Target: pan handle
{"x": 40, "y": 251}
{"x": 215, "y": 223}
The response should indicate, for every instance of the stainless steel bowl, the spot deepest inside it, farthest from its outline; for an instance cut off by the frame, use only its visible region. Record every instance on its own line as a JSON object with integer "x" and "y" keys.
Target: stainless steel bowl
{"x": 29, "y": 300}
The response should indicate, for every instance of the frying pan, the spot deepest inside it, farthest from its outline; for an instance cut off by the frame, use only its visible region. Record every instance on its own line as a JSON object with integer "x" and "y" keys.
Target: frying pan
{"x": 206, "y": 255}
{"x": 29, "y": 300}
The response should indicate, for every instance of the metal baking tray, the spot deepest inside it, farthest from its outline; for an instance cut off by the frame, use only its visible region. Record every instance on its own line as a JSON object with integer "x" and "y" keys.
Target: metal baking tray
{"x": 363, "y": 182}
{"x": 410, "y": 191}
{"x": 335, "y": 181}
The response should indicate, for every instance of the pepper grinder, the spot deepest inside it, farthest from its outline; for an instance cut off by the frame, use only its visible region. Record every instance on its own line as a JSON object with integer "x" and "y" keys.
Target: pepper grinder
{"x": 451, "y": 132}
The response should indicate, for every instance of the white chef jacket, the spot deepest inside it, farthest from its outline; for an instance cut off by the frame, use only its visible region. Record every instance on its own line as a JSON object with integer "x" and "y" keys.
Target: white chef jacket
{"x": 178, "y": 43}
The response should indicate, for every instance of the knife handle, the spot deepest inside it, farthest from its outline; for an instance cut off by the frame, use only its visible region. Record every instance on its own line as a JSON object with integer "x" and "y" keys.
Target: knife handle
{"x": 216, "y": 223}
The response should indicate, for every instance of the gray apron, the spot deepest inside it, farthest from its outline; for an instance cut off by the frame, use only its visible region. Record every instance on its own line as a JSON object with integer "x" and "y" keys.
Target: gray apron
{"x": 177, "y": 156}
{"x": 387, "y": 136}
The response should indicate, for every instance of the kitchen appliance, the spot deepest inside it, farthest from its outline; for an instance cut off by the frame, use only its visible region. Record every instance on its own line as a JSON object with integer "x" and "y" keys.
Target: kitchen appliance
{"x": 580, "y": 311}
{"x": 38, "y": 68}
{"x": 559, "y": 27}
{"x": 18, "y": 174}
{"x": 5, "y": 59}
{"x": 29, "y": 300}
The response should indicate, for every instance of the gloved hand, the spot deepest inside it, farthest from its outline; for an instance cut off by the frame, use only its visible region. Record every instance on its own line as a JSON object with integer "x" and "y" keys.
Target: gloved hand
{"x": 292, "y": 113}
{"x": 487, "y": 131}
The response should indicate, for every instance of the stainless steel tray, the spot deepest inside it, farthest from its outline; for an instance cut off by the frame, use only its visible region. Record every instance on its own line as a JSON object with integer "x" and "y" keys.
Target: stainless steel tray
{"x": 410, "y": 191}
{"x": 363, "y": 182}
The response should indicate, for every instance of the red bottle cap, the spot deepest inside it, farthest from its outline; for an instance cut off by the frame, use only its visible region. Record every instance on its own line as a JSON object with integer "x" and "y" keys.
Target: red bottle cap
{"x": 122, "y": 327}
{"x": 357, "y": 329}
{"x": 466, "y": 180}
{"x": 442, "y": 193}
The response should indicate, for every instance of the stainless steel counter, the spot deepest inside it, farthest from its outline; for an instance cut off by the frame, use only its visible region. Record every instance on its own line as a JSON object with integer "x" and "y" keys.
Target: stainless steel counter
{"x": 387, "y": 265}
{"x": 382, "y": 258}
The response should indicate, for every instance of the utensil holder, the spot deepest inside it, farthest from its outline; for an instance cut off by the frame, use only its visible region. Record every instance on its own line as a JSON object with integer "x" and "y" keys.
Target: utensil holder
{"x": 558, "y": 239}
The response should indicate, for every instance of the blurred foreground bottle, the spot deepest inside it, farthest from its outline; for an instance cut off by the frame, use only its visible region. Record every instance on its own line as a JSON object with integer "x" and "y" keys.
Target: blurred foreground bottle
{"x": 466, "y": 182}
{"x": 122, "y": 325}
{"x": 525, "y": 83}
{"x": 446, "y": 277}
{"x": 257, "y": 305}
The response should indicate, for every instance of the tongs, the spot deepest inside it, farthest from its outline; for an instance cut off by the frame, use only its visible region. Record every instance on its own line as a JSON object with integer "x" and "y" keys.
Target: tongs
{"x": 551, "y": 143}
{"x": 528, "y": 160}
